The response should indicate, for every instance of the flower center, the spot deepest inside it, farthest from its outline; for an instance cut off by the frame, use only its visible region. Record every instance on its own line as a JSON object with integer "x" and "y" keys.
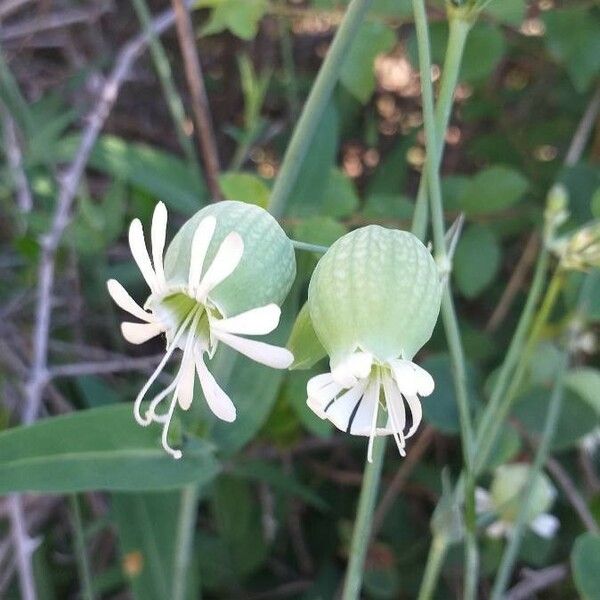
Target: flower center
{"x": 174, "y": 310}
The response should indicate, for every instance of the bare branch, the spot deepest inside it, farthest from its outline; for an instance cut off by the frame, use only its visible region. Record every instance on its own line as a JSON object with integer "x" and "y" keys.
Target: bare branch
{"x": 193, "y": 72}
{"x": 105, "y": 366}
{"x": 584, "y": 129}
{"x": 536, "y": 581}
{"x": 24, "y": 547}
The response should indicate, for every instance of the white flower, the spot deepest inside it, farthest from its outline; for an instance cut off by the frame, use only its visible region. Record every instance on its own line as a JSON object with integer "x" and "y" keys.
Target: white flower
{"x": 504, "y": 501}
{"x": 362, "y": 396}
{"x": 191, "y": 320}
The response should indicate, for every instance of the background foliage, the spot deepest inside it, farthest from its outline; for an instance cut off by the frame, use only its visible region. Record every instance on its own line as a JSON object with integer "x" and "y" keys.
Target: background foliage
{"x": 272, "y": 497}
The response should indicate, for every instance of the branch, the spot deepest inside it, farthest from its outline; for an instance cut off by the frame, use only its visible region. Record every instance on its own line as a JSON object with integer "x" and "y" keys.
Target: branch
{"x": 536, "y": 581}
{"x": 584, "y": 129}
{"x": 195, "y": 80}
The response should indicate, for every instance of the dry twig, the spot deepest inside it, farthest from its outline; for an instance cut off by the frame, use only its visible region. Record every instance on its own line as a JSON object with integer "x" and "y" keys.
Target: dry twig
{"x": 200, "y": 107}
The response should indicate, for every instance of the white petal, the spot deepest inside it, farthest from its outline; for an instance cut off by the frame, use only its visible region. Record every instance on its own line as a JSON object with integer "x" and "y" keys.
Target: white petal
{"x": 361, "y": 423}
{"x": 200, "y": 243}
{"x": 411, "y": 378}
{"x": 483, "y": 501}
{"x": 123, "y": 300}
{"x": 140, "y": 253}
{"x": 396, "y": 413}
{"x": 138, "y": 333}
{"x": 326, "y": 392}
{"x": 355, "y": 366}
{"x": 218, "y": 401}
{"x": 257, "y": 321}
{"x": 158, "y": 234}
{"x": 340, "y": 411}
{"x": 499, "y": 529}
{"x": 185, "y": 387}
{"x": 417, "y": 413}
{"x": 545, "y": 525}
{"x": 226, "y": 260}
{"x": 266, "y": 354}
{"x": 317, "y": 382}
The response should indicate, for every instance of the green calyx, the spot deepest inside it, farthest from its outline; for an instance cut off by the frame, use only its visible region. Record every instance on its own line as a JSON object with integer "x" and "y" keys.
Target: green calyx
{"x": 266, "y": 271}
{"x": 377, "y": 290}
{"x": 507, "y": 489}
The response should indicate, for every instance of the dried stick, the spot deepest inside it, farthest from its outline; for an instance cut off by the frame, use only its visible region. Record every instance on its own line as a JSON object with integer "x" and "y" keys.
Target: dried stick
{"x": 515, "y": 283}
{"x": 568, "y": 487}
{"x": 30, "y": 27}
{"x": 584, "y": 128}
{"x": 15, "y": 160}
{"x": 9, "y": 6}
{"x": 200, "y": 107}
{"x": 105, "y": 366}
{"x": 23, "y": 546}
{"x": 536, "y": 581}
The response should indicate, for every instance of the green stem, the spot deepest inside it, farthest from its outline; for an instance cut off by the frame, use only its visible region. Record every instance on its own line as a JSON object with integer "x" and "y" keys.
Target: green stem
{"x": 510, "y": 553}
{"x": 80, "y": 550}
{"x": 316, "y": 103}
{"x": 489, "y": 437}
{"x": 185, "y": 537}
{"x": 163, "y": 70}
{"x": 309, "y": 247}
{"x": 457, "y": 38}
{"x": 513, "y": 354}
{"x": 448, "y": 311}
{"x": 364, "y": 519}
{"x": 435, "y": 562}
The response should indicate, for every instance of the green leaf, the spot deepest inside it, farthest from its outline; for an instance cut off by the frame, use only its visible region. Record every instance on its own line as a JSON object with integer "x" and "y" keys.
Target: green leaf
{"x": 339, "y": 198}
{"x": 240, "y": 17}
{"x": 476, "y": 260}
{"x": 97, "y": 449}
{"x": 585, "y": 565}
{"x": 483, "y": 51}
{"x": 585, "y": 382}
{"x": 357, "y": 74}
{"x": 496, "y": 188}
{"x": 511, "y": 12}
{"x": 238, "y": 520}
{"x": 245, "y": 187}
{"x": 388, "y": 206}
{"x": 577, "y": 417}
{"x": 441, "y": 408}
{"x": 304, "y": 343}
{"x": 572, "y": 38}
{"x": 146, "y": 524}
{"x": 315, "y": 172}
{"x": 277, "y": 479}
{"x": 322, "y": 231}
{"x": 159, "y": 173}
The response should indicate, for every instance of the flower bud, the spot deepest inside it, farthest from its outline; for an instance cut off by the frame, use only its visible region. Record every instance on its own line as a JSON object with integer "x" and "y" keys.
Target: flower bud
{"x": 582, "y": 250}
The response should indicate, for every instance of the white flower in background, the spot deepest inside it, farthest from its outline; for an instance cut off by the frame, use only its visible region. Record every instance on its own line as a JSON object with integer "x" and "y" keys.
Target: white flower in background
{"x": 374, "y": 299}
{"x": 223, "y": 277}
{"x": 505, "y": 499}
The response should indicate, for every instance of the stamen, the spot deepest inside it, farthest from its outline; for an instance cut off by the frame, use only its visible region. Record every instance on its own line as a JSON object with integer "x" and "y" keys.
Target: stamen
{"x": 396, "y": 429}
{"x": 138, "y": 401}
{"x": 375, "y": 390}
{"x": 176, "y": 454}
{"x": 151, "y": 412}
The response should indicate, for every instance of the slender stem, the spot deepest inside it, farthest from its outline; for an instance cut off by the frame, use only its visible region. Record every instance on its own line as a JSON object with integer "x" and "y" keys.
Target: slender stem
{"x": 459, "y": 31}
{"x": 309, "y": 247}
{"x": 83, "y": 565}
{"x": 448, "y": 312}
{"x": 287, "y": 59}
{"x": 185, "y": 536}
{"x": 364, "y": 518}
{"x": 315, "y": 105}
{"x": 510, "y": 553}
{"x": 488, "y": 438}
{"x": 163, "y": 70}
{"x": 435, "y": 561}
